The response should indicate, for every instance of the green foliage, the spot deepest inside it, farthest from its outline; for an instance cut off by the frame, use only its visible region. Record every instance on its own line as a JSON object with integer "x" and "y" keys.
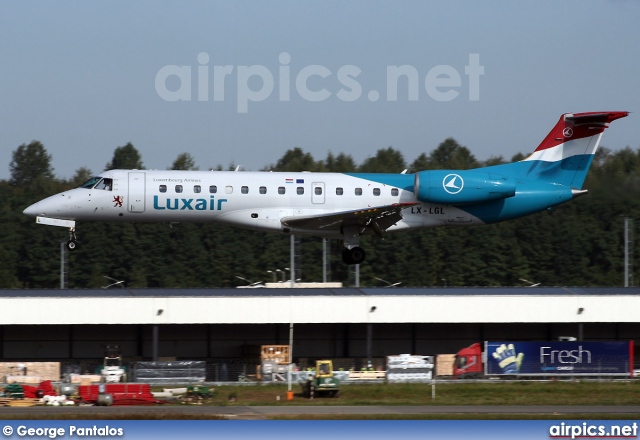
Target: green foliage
{"x": 450, "y": 155}
{"x": 30, "y": 164}
{"x": 578, "y": 243}
{"x": 185, "y": 162}
{"x": 125, "y": 158}
{"x": 385, "y": 161}
{"x": 81, "y": 176}
{"x": 341, "y": 163}
{"x": 297, "y": 160}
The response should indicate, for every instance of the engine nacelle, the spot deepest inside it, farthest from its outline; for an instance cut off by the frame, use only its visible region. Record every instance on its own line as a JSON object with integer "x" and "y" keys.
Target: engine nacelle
{"x": 462, "y": 187}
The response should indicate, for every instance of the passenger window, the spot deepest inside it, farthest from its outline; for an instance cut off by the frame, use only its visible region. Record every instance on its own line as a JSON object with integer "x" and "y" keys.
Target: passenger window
{"x": 318, "y": 190}
{"x": 178, "y": 188}
{"x": 197, "y": 189}
{"x": 213, "y": 189}
{"x": 263, "y": 190}
{"x": 228, "y": 189}
{"x": 358, "y": 191}
{"x": 244, "y": 190}
{"x": 163, "y": 188}
{"x": 339, "y": 191}
{"x": 281, "y": 190}
{"x": 376, "y": 191}
{"x": 394, "y": 191}
{"x": 300, "y": 190}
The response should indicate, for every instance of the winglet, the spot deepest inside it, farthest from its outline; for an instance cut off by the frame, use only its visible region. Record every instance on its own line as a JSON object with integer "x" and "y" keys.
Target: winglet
{"x": 574, "y": 126}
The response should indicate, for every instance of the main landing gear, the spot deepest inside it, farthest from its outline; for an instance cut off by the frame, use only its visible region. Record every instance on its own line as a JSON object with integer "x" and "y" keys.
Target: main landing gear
{"x": 71, "y": 244}
{"x": 352, "y": 253}
{"x": 355, "y": 255}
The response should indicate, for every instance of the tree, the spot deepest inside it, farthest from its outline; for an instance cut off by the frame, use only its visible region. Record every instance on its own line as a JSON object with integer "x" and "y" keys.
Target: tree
{"x": 341, "y": 163}
{"x": 30, "y": 162}
{"x": 185, "y": 162}
{"x": 81, "y": 176}
{"x": 494, "y": 160}
{"x": 578, "y": 243}
{"x": 125, "y": 158}
{"x": 450, "y": 155}
{"x": 297, "y": 160}
{"x": 420, "y": 164}
{"x": 385, "y": 161}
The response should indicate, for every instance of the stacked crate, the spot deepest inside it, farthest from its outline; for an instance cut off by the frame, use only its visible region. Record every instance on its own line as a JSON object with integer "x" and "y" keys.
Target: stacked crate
{"x": 29, "y": 372}
{"x": 274, "y": 360}
{"x": 277, "y": 353}
{"x": 444, "y": 364}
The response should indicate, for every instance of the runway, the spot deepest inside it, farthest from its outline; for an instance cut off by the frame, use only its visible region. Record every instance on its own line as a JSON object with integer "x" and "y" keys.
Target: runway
{"x": 266, "y": 412}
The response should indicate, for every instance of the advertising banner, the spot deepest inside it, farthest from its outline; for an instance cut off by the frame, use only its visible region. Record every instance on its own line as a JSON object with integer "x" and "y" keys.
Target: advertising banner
{"x": 559, "y": 358}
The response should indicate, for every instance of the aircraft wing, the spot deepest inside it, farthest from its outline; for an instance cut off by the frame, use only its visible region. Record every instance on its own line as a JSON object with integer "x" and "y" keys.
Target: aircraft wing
{"x": 379, "y": 218}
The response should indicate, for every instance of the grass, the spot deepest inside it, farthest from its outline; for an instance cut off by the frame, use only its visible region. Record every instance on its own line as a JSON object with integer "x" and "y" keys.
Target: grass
{"x": 483, "y": 394}
{"x": 570, "y": 393}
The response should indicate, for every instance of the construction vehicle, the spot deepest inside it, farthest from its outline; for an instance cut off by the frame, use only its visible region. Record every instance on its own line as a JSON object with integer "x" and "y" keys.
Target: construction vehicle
{"x": 323, "y": 382}
{"x": 112, "y": 369}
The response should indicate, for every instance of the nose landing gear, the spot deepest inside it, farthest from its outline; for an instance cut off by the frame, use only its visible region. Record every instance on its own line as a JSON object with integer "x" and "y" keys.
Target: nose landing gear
{"x": 71, "y": 244}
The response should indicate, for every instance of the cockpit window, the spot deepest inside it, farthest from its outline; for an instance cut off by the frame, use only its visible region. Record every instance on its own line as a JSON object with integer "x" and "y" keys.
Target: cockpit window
{"x": 98, "y": 183}
{"x": 91, "y": 182}
{"x": 105, "y": 184}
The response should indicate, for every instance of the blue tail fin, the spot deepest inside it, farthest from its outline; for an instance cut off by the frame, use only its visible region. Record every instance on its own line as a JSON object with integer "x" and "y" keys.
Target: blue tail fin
{"x": 565, "y": 155}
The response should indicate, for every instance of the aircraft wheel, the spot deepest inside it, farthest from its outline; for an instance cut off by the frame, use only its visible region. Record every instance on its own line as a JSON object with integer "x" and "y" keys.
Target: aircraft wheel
{"x": 71, "y": 245}
{"x": 354, "y": 255}
{"x": 357, "y": 255}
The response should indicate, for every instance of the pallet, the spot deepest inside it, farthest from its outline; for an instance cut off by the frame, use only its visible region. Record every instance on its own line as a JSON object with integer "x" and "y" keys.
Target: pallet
{"x": 19, "y": 402}
{"x": 367, "y": 375}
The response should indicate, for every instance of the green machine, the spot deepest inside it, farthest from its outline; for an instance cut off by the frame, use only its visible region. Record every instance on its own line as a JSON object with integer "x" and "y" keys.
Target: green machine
{"x": 324, "y": 383}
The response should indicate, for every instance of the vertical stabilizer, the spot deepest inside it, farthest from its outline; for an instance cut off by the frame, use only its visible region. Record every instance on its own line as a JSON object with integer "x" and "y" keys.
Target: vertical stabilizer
{"x": 564, "y": 156}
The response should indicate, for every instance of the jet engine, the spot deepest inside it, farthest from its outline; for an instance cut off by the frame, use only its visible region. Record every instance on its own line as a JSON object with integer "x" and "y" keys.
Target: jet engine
{"x": 461, "y": 187}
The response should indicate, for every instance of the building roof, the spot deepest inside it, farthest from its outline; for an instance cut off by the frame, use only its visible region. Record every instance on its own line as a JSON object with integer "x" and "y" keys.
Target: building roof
{"x": 345, "y": 291}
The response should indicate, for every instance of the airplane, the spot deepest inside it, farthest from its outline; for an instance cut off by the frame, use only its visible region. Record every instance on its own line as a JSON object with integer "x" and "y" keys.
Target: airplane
{"x": 341, "y": 206}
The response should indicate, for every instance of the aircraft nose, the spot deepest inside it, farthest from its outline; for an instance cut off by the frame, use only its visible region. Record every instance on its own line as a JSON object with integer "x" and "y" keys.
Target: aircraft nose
{"x": 32, "y": 210}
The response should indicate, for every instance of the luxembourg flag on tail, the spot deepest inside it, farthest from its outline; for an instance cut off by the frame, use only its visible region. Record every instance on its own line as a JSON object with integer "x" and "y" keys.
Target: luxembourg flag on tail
{"x": 565, "y": 155}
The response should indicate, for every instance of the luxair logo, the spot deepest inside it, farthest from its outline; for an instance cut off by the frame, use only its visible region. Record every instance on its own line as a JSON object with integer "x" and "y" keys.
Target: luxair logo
{"x": 188, "y": 204}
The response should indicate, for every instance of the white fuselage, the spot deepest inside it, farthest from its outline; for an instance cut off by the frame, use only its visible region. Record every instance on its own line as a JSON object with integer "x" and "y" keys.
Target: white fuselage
{"x": 256, "y": 200}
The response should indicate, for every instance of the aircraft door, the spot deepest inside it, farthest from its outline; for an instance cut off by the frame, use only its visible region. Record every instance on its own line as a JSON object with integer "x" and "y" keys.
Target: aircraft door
{"x": 136, "y": 191}
{"x": 317, "y": 192}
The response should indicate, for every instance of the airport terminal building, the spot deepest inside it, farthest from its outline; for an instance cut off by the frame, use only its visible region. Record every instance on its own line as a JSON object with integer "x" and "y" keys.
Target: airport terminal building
{"x": 348, "y": 325}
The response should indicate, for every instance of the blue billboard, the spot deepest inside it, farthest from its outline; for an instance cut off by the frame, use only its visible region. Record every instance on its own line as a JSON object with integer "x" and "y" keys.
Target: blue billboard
{"x": 559, "y": 358}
